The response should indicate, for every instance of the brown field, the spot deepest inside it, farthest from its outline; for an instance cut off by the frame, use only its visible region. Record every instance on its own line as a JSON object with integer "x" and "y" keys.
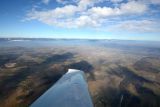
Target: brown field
{"x": 118, "y": 75}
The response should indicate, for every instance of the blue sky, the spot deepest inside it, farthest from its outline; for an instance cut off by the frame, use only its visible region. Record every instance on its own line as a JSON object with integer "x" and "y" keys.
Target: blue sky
{"x": 91, "y": 19}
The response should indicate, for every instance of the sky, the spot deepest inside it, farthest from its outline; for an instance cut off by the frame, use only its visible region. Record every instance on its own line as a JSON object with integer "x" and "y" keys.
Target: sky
{"x": 84, "y": 19}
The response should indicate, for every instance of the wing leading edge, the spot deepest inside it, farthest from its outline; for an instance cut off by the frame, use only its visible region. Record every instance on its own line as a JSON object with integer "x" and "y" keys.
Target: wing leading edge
{"x": 70, "y": 91}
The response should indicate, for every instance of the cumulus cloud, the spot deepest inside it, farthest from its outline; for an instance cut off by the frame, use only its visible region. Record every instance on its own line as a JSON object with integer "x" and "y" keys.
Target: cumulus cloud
{"x": 86, "y": 21}
{"x": 155, "y": 1}
{"x": 137, "y": 26}
{"x": 116, "y": 1}
{"x": 133, "y": 7}
{"x": 62, "y": 1}
{"x": 66, "y": 1}
{"x": 125, "y": 9}
{"x": 45, "y": 1}
{"x": 86, "y": 13}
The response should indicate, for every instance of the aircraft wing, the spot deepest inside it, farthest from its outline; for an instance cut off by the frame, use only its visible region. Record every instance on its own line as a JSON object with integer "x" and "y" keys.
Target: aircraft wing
{"x": 70, "y": 91}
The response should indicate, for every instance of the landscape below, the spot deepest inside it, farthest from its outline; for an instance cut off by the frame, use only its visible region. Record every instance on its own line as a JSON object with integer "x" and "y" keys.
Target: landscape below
{"x": 119, "y": 73}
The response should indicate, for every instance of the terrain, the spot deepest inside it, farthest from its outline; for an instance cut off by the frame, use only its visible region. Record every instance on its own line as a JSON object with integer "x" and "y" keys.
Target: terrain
{"x": 119, "y": 73}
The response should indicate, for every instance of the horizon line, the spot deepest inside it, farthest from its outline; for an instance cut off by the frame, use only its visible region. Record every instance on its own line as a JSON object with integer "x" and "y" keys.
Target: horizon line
{"x": 77, "y": 38}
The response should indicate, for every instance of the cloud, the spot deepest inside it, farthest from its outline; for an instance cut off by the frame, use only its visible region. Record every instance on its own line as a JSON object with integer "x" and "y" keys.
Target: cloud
{"x": 133, "y": 7}
{"x": 62, "y": 1}
{"x": 137, "y": 26}
{"x": 125, "y": 9}
{"x": 116, "y": 1}
{"x": 86, "y": 21}
{"x": 86, "y": 13}
{"x": 45, "y": 1}
{"x": 70, "y": 15}
{"x": 64, "y": 12}
{"x": 155, "y": 1}
{"x": 66, "y": 1}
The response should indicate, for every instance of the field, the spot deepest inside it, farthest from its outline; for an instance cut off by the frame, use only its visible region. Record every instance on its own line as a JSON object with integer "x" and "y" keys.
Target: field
{"x": 119, "y": 73}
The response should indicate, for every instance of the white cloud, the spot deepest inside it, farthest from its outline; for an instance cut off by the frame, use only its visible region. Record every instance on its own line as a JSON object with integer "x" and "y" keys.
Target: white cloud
{"x": 64, "y": 12}
{"x": 45, "y": 1}
{"x": 116, "y": 1}
{"x": 86, "y": 14}
{"x": 103, "y": 11}
{"x": 86, "y": 21}
{"x": 155, "y": 1}
{"x": 132, "y": 7}
{"x": 66, "y": 1}
{"x": 61, "y": 1}
{"x": 137, "y": 26}
{"x": 67, "y": 16}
